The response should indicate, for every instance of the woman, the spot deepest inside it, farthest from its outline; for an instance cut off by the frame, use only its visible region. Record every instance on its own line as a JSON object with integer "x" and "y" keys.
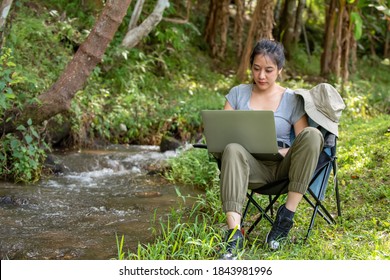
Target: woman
{"x": 239, "y": 169}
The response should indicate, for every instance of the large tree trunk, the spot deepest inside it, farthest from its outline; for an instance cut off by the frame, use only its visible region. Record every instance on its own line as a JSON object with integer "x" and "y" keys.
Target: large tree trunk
{"x": 339, "y": 46}
{"x": 217, "y": 27}
{"x": 261, "y": 27}
{"x": 287, "y": 24}
{"x": 335, "y": 63}
{"x": 58, "y": 98}
{"x": 299, "y": 21}
{"x": 328, "y": 40}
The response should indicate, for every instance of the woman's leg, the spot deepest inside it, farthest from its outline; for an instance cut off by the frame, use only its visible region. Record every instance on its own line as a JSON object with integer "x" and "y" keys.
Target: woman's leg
{"x": 238, "y": 168}
{"x": 299, "y": 164}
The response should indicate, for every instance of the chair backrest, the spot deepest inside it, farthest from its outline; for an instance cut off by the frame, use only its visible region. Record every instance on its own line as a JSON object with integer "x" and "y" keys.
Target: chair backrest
{"x": 322, "y": 173}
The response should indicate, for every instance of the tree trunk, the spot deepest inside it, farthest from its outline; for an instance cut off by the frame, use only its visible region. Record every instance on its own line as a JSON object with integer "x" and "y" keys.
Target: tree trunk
{"x": 278, "y": 7}
{"x": 339, "y": 46}
{"x": 135, "y": 35}
{"x": 217, "y": 27}
{"x": 328, "y": 40}
{"x": 239, "y": 25}
{"x": 347, "y": 35}
{"x": 335, "y": 64}
{"x": 288, "y": 25}
{"x": 58, "y": 98}
{"x": 224, "y": 20}
{"x": 261, "y": 27}
{"x": 211, "y": 24}
{"x": 299, "y": 21}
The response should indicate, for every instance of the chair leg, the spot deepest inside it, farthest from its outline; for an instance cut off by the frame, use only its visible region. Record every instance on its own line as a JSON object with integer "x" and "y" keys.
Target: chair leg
{"x": 337, "y": 197}
{"x": 270, "y": 203}
{"x": 246, "y": 209}
{"x": 311, "y": 222}
{"x": 262, "y": 214}
{"x": 321, "y": 210}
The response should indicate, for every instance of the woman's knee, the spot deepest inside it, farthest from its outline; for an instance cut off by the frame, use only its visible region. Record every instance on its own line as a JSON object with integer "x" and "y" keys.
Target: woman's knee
{"x": 233, "y": 149}
{"x": 313, "y": 135}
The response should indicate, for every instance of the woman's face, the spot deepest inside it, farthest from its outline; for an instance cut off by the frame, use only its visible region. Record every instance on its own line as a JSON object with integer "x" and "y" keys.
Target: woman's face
{"x": 264, "y": 72}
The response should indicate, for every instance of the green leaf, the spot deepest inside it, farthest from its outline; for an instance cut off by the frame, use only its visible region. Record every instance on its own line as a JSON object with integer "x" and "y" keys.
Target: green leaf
{"x": 34, "y": 132}
{"x": 2, "y": 85}
{"x": 358, "y": 22}
{"x": 10, "y": 95}
{"x": 21, "y": 128}
{"x": 29, "y": 122}
{"x": 14, "y": 143}
{"x": 28, "y": 139}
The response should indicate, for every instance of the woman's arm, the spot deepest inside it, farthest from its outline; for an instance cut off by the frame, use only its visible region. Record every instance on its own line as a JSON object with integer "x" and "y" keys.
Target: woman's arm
{"x": 228, "y": 106}
{"x": 301, "y": 124}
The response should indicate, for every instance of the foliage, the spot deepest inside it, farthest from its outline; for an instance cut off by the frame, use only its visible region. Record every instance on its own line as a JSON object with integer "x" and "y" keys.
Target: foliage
{"x": 303, "y": 66}
{"x": 193, "y": 167}
{"x": 367, "y": 96}
{"x": 21, "y": 157}
{"x": 21, "y": 153}
{"x": 7, "y": 79}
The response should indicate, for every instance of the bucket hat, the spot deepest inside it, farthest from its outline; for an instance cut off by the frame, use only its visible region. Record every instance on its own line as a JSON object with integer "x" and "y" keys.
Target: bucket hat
{"x": 324, "y": 105}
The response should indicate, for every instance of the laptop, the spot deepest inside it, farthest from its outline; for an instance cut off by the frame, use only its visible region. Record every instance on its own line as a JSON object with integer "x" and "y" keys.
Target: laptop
{"x": 254, "y": 130}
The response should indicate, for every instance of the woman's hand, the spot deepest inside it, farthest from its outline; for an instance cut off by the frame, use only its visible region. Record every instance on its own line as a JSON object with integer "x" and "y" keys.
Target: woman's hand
{"x": 283, "y": 151}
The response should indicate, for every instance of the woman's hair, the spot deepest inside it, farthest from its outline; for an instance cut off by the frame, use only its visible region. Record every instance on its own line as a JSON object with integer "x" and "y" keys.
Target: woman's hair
{"x": 270, "y": 48}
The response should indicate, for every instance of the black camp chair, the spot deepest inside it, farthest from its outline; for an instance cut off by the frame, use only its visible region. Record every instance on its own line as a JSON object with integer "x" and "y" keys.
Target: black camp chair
{"x": 314, "y": 196}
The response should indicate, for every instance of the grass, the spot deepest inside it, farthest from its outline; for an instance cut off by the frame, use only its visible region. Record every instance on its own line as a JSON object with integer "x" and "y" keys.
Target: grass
{"x": 361, "y": 233}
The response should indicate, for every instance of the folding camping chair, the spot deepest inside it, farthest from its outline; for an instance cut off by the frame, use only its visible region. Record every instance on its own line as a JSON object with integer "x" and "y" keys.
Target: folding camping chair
{"x": 314, "y": 196}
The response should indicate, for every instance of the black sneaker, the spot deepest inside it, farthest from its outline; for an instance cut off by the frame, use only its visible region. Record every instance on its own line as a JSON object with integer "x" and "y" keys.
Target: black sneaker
{"x": 281, "y": 227}
{"x": 235, "y": 243}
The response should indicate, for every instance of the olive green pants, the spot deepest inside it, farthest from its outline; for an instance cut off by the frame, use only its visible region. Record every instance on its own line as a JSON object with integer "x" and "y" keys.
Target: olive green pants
{"x": 240, "y": 170}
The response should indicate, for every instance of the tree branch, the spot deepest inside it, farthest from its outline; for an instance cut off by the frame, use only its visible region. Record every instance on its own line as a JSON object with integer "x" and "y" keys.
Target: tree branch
{"x": 180, "y": 20}
{"x": 4, "y": 11}
{"x": 136, "y": 13}
{"x": 135, "y": 35}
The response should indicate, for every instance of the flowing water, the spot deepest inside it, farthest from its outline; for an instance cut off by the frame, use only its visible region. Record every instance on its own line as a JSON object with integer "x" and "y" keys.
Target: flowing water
{"x": 78, "y": 214}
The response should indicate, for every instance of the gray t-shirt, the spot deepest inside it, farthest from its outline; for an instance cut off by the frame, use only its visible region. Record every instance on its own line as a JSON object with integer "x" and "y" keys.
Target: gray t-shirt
{"x": 290, "y": 110}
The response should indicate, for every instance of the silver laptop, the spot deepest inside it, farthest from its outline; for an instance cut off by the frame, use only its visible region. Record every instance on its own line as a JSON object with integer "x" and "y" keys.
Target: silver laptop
{"x": 254, "y": 130}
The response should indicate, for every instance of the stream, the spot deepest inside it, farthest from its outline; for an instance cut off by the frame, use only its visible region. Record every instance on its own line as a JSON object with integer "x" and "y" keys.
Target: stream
{"x": 78, "y": 213}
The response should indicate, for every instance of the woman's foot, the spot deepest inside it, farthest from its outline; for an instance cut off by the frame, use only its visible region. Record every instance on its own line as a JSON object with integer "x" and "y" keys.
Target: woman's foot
{"x": 281, "y": 227}
{"x": 234, "y": 243}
